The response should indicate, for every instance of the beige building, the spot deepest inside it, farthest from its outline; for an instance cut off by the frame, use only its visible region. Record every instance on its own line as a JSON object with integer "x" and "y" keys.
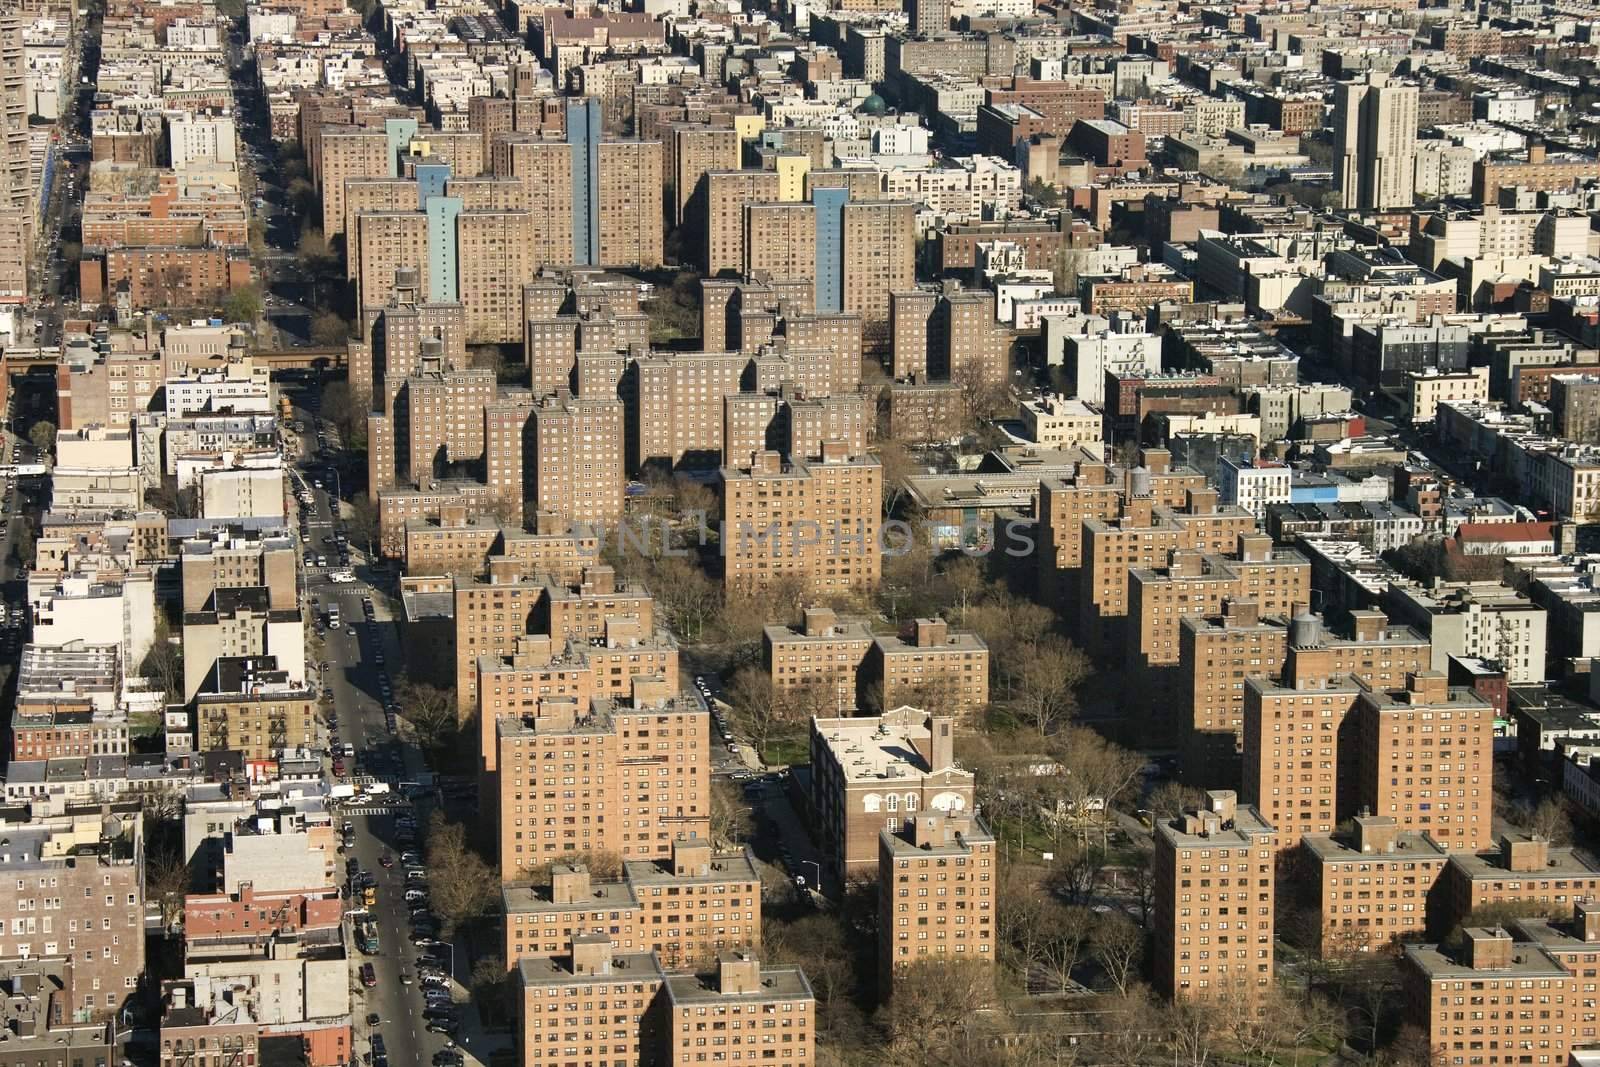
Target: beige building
{"x": 591, "y": 1002}
{"x": 685, "y": 908}
{"x": 742, "y": 1012}
{"x": 1214, "y": 902}
{"x": 818, "y": 662}
{"x": 1433, "y": 726}
{"x": 577, "y": 459}
{"x": 677, "y": 405}
{"x": 639, "y": 775}
{"x": 253, "y": 707}
{"x": 1373, "y": 887}
{"x": 1425, "y": 389}
{"x": 1061, "y": 422}
{"x": 726, "y": 194}
{"x": 946, "y": 673}
{"x": 817, "y": 523}
{"x": 935, "y": 893}
{"x": 1217, "y": 653}
{"x": 1500, "y": 976}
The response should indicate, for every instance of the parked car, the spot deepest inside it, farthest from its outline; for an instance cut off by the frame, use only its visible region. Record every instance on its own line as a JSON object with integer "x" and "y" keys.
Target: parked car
{"x": 369, "y": 976}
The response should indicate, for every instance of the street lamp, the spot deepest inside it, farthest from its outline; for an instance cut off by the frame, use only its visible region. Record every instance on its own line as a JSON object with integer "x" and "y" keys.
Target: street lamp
{"x": 816, "y": 868}
{"x": 452, "y": 949}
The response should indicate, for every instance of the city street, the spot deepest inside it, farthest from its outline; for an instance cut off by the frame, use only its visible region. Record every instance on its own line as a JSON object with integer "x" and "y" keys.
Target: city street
{"x": 358, "y": 653}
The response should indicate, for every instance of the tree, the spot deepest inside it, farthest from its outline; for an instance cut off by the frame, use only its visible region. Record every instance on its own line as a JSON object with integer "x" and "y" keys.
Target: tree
{"x": 339, "y": 407}
{"x": 1096, "y": 774}
{"x": 462, "y": 886}
{"x": 42, "y": 435}
{"x": 1118, "y": 947}
{"x": 492, "y": 984}
{"x": 243, "y": 304}
{"x": 1171, "y": 799}
{"x": 329, "y": 330}
{"x": 933, "y": 1004}
{"x": 1075, "y": 874}
{"x": 731, "y": 818}
{"x": 1062, "y": 935}
{"x": 1046, "y": 683}
{"x": 164, "y": 662}
{"x": 757, "y": 708}
{"x": 896, "y": 465}
{"x": 430, "y": 711}
{"x": 167, "y": 880}
{"x": 363, "y": 520}
{"x": 1551, "y": 822}
{"x": 603, "y": 865}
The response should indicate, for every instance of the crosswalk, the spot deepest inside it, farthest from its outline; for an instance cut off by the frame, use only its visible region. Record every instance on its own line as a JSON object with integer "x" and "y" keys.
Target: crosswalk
{"x": 371, "y": 809}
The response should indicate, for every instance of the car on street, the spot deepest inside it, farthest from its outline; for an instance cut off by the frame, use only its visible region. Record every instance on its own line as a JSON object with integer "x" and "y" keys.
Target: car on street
{"x": 405, "y": 977}
{"x": 369, "y": 975}
{"x": 386, "y": 860}
{"x": 444, "y": 1026}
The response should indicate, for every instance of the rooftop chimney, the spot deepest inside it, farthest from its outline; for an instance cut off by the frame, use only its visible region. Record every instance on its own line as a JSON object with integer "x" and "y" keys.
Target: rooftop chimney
{"x": 650, "y": 690}
{"x": 1427, "y": 687}
{"x": 1525, "y": 855}
{"x": 1586, "y": 917}
{"x": 1202, "y": 501}
{"x": 599, "y": 580}
{"x": 1254, "y": 548}
{"x": 1376, "y": 833}
{"x": 1367, "y": 625}
{"x": 1241, "y": 612}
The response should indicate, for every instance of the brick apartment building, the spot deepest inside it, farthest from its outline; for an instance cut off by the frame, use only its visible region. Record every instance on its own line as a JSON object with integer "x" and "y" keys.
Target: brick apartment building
{"x": 818, "y": 662}
{"x": 1500, "y": 977}
{"x": 77, "y": 890}
{"x": 1526, "y": 870}
{"x": 935, "y": 893}
{"x": 638, "y": 769}
{"x": 1373, "y": 887}
{"x": 624, "y": 1008}
{"x": 685, "y": 909}
{"x": 1216, "y": 653}
{"x": 947, "y": 673}
{"x": 817, "y": 522}
{"x": 1215, "y": 876}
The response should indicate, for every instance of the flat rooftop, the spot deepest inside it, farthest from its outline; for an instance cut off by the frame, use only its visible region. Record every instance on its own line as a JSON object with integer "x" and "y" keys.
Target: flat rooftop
{"x": 870, "y": 749}
{"x": 557, "y": 970}
{"x": 777, "y": 983}
{"x": 1528, "y": 960}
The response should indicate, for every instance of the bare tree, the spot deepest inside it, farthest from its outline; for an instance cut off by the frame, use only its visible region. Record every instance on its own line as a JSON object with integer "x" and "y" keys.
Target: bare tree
{"x": 731, "y": 818}
{"x": 167, "y": 881}
{"x": 1096, "y": 775}
{"x": 1171, "y": 799}
{"x": 758, "y": 708}
{"x": 1550, "y": 821}
{"x": 1046, "y": 683}
{"x": 933, "y": 1006}
{"x": 1118, "y": 947}
{"x": 462, "y": 885}
{"x": 603, "y": 865}
{"x": 1062, "y": 937}
{"x": 431, "y": 711}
